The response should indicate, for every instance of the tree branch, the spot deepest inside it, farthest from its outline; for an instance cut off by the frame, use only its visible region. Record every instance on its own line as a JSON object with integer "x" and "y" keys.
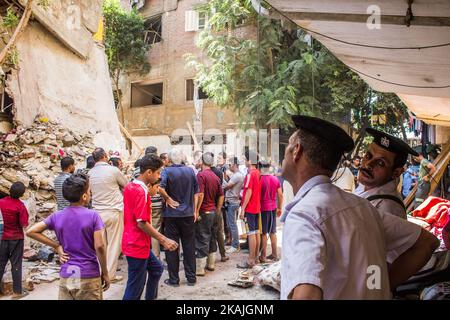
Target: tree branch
{"x": 20, "y": 28}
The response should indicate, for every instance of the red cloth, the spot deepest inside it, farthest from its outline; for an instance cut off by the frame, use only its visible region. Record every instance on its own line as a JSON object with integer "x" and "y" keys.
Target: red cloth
{"x": 252, "y": 182}
{"x": 15, "y": 218}
{"x": 436, "y": 212}
{"x": 137, "y": 206}
{"x": 209, "y": 185}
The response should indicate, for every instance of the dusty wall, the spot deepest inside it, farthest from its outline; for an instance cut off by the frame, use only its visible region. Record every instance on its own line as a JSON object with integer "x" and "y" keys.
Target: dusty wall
{"x": 168, "y": 65}
{"x": 52, "y": 81}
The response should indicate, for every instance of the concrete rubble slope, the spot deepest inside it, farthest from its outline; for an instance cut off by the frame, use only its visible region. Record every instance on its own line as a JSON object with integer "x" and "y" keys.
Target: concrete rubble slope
{"x": 32, "y": 155}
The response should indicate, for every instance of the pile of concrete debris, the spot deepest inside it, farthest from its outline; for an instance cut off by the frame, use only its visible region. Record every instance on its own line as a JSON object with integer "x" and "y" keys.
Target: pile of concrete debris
{"x": 31, "y": 155}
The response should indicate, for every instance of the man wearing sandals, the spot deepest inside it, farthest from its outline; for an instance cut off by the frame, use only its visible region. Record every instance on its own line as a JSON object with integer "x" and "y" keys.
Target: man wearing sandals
{"x": 251, "y": 209}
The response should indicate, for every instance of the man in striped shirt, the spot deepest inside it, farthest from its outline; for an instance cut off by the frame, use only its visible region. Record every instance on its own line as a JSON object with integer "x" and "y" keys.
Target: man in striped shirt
{"x": 68, "y": 168}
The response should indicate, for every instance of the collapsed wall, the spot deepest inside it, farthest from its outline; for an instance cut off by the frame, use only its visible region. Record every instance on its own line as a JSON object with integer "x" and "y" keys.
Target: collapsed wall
{"x": 32, "y": 155}
{"x": 54, "y": 82}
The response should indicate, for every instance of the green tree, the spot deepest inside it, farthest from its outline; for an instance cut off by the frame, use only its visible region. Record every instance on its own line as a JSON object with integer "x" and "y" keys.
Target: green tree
{"x": 125, "y": 47}
{"x": 266, "y": 70}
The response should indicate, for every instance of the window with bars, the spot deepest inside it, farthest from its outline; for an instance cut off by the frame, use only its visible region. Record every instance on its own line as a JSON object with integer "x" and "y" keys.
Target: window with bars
{"x": 153, "y": 33}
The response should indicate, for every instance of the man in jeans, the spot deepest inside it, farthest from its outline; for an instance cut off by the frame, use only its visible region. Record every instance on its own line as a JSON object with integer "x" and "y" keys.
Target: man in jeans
{"x": 233, "y": 188}
{"x": 143, "y": 265}
{"x": 426, "y": 171}
{"x": 179, "y": 189}
{"x": 210, "y": 203}
{"x": 107, "y": 183}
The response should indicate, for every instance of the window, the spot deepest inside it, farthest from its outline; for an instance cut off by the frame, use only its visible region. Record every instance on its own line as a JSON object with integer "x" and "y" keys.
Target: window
{"x": 202, "y": 20}
{"x": 195, "y": 20}
{"x": 143, "y": 95}
{"x": 153, "y": 27}
{"x": 190, "y": 87}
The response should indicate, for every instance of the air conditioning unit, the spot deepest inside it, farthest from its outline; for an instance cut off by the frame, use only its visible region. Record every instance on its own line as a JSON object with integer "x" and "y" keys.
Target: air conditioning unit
{"x": 191, "y": 21}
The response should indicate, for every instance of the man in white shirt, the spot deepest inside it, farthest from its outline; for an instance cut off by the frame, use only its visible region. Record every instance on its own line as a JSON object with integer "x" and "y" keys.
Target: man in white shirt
{"x": 335, "y": 244}
{"x": 107, "y": 183}
{"x": 381, "y": 167}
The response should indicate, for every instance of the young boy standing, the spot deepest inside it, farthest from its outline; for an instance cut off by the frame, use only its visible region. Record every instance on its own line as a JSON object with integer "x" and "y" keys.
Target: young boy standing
{"x": 138, "y": 231}
{"x": 15, "y": 218}
{"x": 81, "y": 246}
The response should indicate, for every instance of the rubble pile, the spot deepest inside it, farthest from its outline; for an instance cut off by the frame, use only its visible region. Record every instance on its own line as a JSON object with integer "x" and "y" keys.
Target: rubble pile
{"x": 32, "y": 155}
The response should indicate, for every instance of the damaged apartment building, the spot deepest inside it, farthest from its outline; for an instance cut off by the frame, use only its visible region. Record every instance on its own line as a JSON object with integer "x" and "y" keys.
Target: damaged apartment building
{"x": 161, "y": 108}
{"x": 57, "y": 100}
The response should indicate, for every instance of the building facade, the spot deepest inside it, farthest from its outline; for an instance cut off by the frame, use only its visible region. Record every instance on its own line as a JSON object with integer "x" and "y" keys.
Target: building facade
{"x": 157, "y": 107}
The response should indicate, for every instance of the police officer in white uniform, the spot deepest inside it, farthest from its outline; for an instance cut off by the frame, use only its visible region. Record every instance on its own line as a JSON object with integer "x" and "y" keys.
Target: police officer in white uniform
{"x": 335, "y": 243}
{"x": 381, "y": 167}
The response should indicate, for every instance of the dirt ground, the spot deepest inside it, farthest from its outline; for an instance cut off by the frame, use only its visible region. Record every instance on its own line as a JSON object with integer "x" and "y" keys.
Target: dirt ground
{"x": 213, "y": 286}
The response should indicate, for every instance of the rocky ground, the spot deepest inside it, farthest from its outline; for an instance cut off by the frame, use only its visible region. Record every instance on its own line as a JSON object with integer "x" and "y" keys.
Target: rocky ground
{"x": 214, "y": 286}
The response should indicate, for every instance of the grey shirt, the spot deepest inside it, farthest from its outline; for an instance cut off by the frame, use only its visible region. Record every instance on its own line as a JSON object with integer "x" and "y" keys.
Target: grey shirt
{"x": 58, "y": 183}
{"x": 107, "y": 183}
{"x": 232, "y": 195}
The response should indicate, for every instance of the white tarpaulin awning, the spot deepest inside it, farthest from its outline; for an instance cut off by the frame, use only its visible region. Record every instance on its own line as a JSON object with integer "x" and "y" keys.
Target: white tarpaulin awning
{"x": 413, "y": 62}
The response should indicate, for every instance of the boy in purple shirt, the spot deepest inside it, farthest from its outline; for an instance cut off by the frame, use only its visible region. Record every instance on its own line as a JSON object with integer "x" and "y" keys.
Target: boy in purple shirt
{"x": 81, "y": 246}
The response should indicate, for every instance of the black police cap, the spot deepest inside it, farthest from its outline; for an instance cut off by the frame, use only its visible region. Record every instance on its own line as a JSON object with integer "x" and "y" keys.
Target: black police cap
{"x": 391, "y": 143}
{"x": 328, "y": 131}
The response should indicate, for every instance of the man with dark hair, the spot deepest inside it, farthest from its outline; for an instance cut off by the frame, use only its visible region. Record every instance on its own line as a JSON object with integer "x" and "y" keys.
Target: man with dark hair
{"x": 332, "y": 239}
{"x": 116, "y": 162}
{"x": 251, "y": 209}
{"x": 15, "y": 219}
{"x": 107, "y": 183}
{"x": 67, "y": 169}
{"x": 81, "y": 247}
{"x": 151, "y": 150}
{"x": 232, "y": 190}
{"x": 210, "y": 201}
{"x": 381, "y": 167}
{"x": 165, "y": 159}
{"x": 179, "y": 188}
{"x": 356, "y": 164}
{"x": 426, "y": 171}
{"x": 143, "y": 266}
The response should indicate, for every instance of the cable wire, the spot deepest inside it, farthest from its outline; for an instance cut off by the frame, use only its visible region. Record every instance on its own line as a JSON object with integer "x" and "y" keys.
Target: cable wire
{"x": 359, "y": 44}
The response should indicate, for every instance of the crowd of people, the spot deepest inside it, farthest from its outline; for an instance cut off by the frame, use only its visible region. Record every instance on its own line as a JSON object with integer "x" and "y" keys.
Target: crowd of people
{"x": 189, "y": 211}
{"x": 168, "y": 210}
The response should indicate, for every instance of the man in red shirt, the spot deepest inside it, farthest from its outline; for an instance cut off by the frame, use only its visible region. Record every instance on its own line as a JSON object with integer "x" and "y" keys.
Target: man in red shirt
{"x": 210, "y": 203}
{"x": 251, "y": 209}
{"x": 15, "y": 218}
{"x": 138, "y": 231}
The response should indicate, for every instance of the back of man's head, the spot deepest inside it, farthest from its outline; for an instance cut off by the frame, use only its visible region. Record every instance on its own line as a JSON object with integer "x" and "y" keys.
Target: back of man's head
{"x": 151, "y": 150}
{"x": 150, "y": 161}
{"x": 208, "y": 159}
{"x": 320, "y": 153}
{"x": 17, "y": 190}
{"x": 98, "y": 154}
{"x": 75, "y": 186}
{"x": 66, "y": 162}
{"x": 175, "y": 156}
{"x": 90, "y": 162}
